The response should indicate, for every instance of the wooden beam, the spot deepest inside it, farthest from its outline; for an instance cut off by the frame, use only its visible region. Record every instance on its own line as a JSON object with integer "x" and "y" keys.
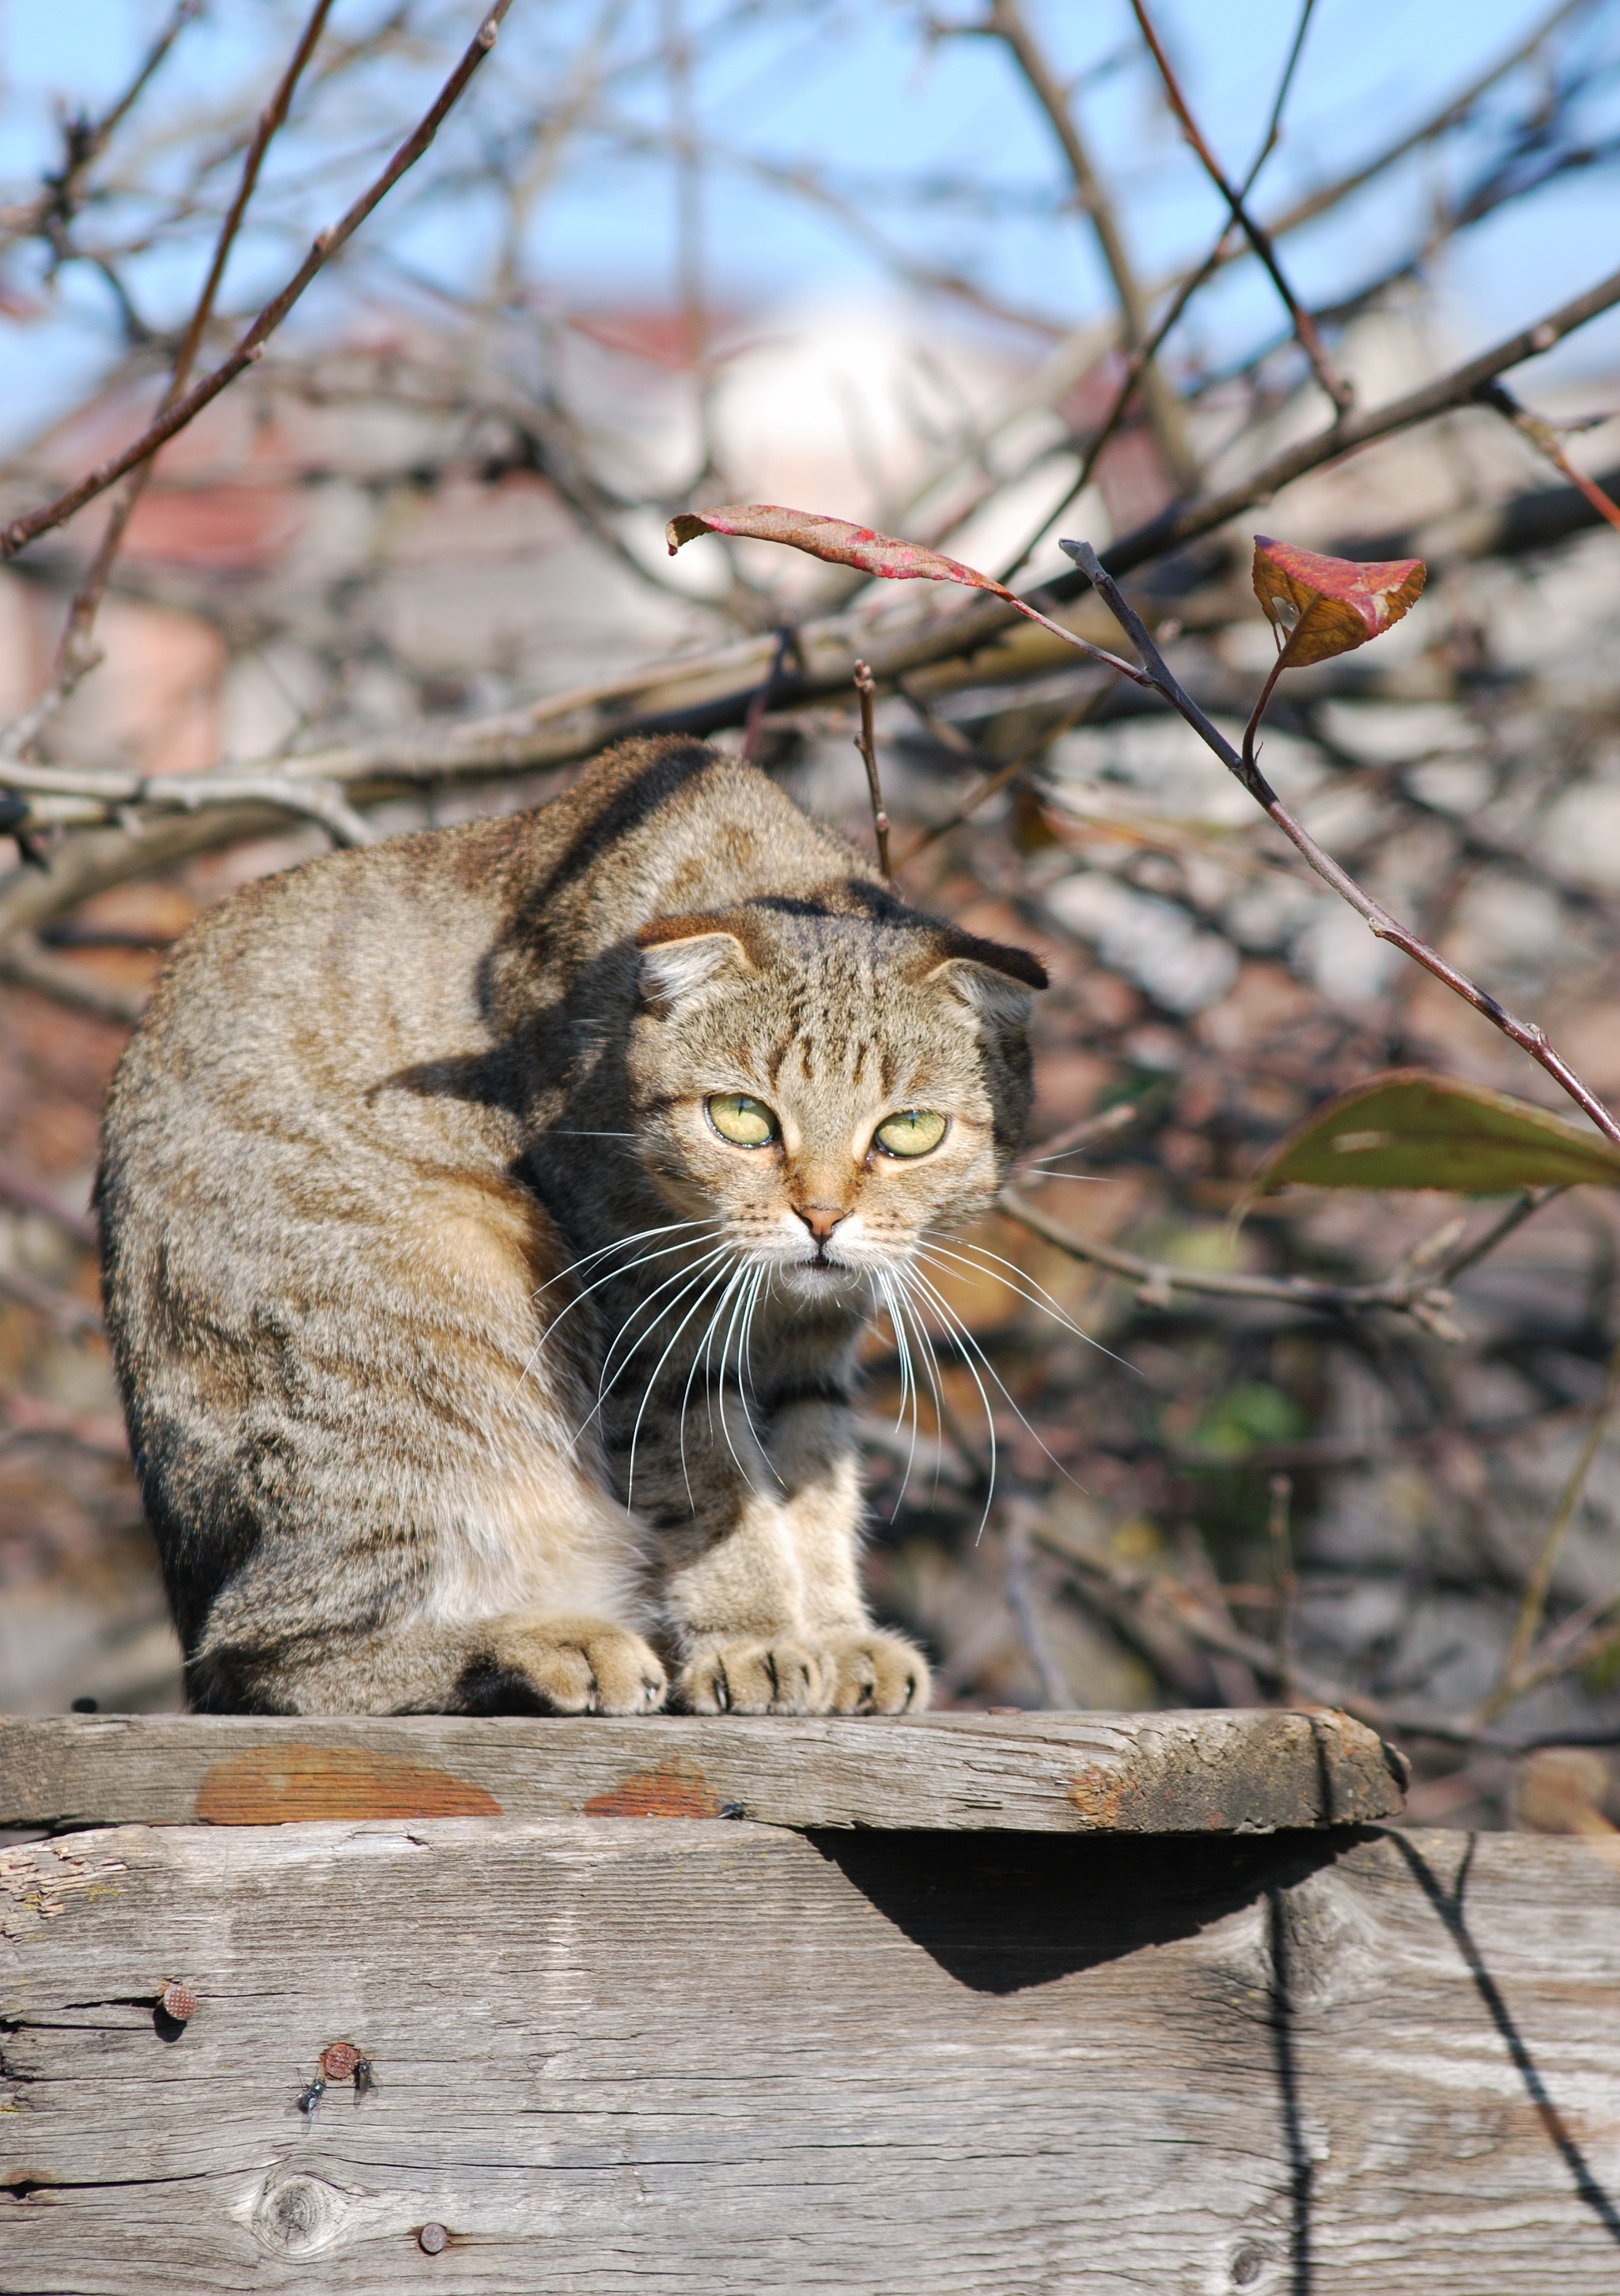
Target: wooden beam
{"x": 1247, "y": 1772}
{"x": 616, "y": 2057}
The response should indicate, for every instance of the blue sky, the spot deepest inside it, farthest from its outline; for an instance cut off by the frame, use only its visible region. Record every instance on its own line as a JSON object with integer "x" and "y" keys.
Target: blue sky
{"x": 857, "y": 92}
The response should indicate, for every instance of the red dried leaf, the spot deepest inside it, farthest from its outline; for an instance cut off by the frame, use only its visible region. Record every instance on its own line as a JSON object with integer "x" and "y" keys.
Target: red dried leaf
{"x": 843, "y": 544}
{"x": 1328, "y": 606}
{"x": 834, "y": 539}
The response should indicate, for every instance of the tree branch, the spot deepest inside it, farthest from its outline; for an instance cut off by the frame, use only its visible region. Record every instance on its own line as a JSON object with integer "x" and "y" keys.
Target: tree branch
{"x": 20, "y": 531}
{"x": 76, "y": 654}
{"x": 1304, "y": 326}
{"x": 1527, "y": 1035}
{"x": 1416, "y": 1293}
{"x": 1007, "y": 23}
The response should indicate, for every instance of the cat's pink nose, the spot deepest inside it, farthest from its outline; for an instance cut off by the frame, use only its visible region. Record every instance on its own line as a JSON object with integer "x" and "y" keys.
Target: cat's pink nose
{"x": 821, "y": 1219}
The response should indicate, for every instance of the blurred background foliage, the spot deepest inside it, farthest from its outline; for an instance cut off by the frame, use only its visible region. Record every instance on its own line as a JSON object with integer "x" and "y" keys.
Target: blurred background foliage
{"x": 897, "y": 267}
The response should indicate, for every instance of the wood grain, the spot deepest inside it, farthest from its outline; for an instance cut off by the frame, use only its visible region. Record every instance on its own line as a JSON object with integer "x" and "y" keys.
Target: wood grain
{"x": 638, "y": 2057}
{"x": 1189, "y": 1773}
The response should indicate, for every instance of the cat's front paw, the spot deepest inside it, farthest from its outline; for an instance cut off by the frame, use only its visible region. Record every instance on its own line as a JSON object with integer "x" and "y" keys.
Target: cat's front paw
{"x": 759, "y": 1677}
{"x": 878, "y": 1674}
{"x": 580, "y": 1665}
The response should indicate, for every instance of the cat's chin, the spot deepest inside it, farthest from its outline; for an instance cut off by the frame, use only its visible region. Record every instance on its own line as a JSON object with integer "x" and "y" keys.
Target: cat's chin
{"x": 822, "y": 1279}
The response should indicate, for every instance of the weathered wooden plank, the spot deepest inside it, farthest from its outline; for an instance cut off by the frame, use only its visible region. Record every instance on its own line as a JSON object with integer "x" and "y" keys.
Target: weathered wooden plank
{"x": 631, "y": 2057}
{"x": 1223, "y": 1772}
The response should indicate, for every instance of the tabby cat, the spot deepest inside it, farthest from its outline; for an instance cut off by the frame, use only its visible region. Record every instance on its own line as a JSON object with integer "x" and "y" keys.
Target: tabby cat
{"x": 491, "y": 1218}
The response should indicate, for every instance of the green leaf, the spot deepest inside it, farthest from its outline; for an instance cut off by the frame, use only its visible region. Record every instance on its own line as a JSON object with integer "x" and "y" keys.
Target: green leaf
{"x": 1408, "y": 1129}
{"x": 1252, "y": 1411}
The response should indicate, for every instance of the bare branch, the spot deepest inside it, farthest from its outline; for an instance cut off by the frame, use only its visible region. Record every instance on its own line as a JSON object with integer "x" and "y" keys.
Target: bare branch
{"x": 75, "y": 653}
{"x": 1527, "y": 1625}
{"x": 59, "y": 1307}
{"x": 22, "y": 1189}
{"x": 1529, "y": 1037}
{"x": 1304, "y": 326}
{"x": 1418, "y": 1296}
{"x": 28, "y": 966}
{"x": 1007, "y": 23}
{"x": 52, "y": 211}
{"x": 1018, "y": 1515}
{"x": 20, "y": 531}
{"x": 1546, "y": 440}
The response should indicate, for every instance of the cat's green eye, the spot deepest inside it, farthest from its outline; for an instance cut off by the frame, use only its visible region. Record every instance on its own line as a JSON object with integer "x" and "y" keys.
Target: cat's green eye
{"x": 912, "y": 1133}
{"x": 745, "y": 1122}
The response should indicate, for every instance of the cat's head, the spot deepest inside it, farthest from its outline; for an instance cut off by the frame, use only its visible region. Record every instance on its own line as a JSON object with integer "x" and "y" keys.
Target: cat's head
{"x": 829, "y": 1084}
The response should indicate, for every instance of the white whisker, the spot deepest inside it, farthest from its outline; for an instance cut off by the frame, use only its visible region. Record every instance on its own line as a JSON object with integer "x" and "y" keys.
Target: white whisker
{"x": 913, "y": 1279}
{"x": 731, "y": 1327}
{"x": 610, "y": 1370}
{"x": 686, "y": 1398}
{"x": 629, "y": 1480}
{"x": 621, "y": 1243}
{"x": 1036, "y": 1294}
{"x": 908, "y": 1384}
{"x": 924, "y": 1349}
{"x": 954, "y": 1323}
{"x": 618, "y": 1244}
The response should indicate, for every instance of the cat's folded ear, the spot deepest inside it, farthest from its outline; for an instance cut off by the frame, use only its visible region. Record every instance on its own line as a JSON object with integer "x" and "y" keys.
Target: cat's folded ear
{"x": 995, "y": 982}
{"x": 682, "y": 957}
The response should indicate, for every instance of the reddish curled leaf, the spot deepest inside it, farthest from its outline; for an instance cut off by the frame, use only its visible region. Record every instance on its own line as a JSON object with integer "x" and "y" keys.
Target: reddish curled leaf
{"x": 832, "y": 538}
{"x": 1326, "y": 606}
{"x": 841, "y": 544}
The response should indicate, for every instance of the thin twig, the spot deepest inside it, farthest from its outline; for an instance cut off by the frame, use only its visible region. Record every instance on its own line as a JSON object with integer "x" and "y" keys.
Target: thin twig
{"x": 705, "y": 694}
{"x": 1452, "y": 113}
{"x": 1537, "y": 1585}
{"x": 996, "y": 781}
{"x": 710, "y": 690}
{"x": 1006, "y": 23}
{"x": 1018, "y": 1514}
{"x": 1545, "y": 438}
{"x": 1161, "y": 535}
{"x": 692, "y": 298}
{"x": 1527, "y": 1200}
{"x": 314, "y": 800}
{"x": 22, "y": 1189}
{"x": 1528, "y": 1037}
{"x": 84, "y": 141}
{"x": 1420, "y": 1297}
{"x": 1287, "y": 1584}
{"x": 754, "y": 723}
{"x": 20, "y": 531}
{"x": 76, "y": 654}
{"x": 59, "y": 1307}
{"x": 1304, "y": 326}
{"x": 867, "y": 745}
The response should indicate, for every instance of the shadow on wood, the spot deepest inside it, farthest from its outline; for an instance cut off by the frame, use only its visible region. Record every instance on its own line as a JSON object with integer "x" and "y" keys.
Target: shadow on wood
{"x": 1006, "y": 1911}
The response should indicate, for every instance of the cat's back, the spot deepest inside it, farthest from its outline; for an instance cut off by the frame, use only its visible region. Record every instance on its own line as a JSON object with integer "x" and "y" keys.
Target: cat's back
{"x": 309, "y": 1013}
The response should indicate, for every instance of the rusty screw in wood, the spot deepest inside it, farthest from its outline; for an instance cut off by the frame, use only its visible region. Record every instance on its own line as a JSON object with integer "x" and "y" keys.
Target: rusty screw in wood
{"x": 432, "y": 2240}
{"x": 339, "y": 2061}
{"x": 178, "y": 2001}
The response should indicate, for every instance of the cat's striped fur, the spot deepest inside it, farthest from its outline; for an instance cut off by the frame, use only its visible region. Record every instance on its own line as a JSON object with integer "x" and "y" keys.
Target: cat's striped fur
{"x": 467, "y": 1366}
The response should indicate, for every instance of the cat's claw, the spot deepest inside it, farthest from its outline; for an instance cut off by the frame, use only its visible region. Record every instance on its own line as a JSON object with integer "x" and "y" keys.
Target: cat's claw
{"x": 879, "y": 1674}
{"x": 856, "y": 1674}
{"x": 763, "y": 1678}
